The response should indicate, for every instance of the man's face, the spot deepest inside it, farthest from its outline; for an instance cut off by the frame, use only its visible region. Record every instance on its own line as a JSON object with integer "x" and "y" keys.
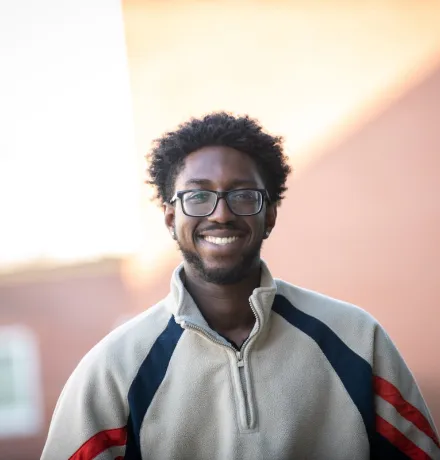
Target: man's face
{"x": 219, "y": 169}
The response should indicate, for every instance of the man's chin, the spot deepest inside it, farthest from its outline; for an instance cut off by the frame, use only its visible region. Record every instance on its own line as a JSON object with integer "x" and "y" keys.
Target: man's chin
{"x": 220, "y": 272}
{"x": 223, "y": 276}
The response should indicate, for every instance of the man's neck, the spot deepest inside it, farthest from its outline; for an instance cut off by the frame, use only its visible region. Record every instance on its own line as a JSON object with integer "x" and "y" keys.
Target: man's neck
{"x": 225, "y": 307}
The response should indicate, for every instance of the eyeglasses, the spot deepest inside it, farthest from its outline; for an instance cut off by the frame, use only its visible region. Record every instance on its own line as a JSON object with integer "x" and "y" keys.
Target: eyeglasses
{"x": 202, "y": 203}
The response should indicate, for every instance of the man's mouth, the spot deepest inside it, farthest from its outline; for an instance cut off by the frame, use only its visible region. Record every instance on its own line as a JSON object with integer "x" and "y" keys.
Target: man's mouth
{"x": 221, "y": 241}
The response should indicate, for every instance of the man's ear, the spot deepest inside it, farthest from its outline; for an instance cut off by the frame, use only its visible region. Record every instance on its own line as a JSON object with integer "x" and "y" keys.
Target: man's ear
{"x": 170, "y": 216}
{"x": 271, "y": 218}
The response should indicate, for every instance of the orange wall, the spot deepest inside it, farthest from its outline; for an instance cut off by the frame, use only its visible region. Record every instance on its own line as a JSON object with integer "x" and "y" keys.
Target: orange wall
{"x": 354, "y": 87}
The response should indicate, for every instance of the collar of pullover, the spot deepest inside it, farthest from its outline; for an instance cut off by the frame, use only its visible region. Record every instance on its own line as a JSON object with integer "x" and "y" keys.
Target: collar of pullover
{"x": 185, "y": 311}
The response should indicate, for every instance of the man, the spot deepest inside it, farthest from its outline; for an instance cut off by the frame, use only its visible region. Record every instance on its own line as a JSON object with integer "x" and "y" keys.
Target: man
{"x": 234, "y": 364}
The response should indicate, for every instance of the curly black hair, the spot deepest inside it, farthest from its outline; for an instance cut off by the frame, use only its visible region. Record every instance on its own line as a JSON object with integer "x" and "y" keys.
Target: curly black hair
{"x": 218, "y": 129}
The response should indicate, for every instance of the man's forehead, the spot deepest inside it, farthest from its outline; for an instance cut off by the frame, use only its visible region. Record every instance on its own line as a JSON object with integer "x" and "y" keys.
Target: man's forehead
{"x": 218, "y": 159}
{"x": 223, "y": 165}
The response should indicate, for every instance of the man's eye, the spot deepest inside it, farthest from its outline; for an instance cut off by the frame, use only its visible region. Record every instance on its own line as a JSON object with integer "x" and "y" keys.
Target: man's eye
{"x": 244, "y": 196}
{"x": 198, "y": 196}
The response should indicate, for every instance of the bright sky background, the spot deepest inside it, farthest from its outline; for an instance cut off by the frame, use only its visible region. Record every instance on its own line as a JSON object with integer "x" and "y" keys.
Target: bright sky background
{"x": 69, "y": 175}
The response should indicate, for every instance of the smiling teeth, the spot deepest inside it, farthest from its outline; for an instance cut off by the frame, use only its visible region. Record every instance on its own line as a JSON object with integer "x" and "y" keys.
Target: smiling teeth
{"x": 221, "y": 241}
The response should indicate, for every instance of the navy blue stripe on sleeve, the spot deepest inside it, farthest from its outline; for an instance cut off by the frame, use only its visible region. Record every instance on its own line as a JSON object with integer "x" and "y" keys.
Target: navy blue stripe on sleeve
{"x": 147, "y": 381}
{"x": 355, "y": 373}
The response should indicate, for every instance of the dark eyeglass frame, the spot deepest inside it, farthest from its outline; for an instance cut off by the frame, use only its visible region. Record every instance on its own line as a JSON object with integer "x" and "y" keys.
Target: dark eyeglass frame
{"x": 264, "y": 197}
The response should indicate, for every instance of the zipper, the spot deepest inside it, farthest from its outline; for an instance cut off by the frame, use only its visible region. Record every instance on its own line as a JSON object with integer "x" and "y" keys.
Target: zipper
{"x": 242, "y": 370}
{"x": 240, "y": 359}
{"x": 242, "y": 375}
{"x": 257, "y": 322}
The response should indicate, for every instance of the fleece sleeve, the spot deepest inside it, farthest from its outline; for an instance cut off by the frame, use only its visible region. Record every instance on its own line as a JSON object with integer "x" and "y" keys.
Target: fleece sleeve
{"x": 90, "y": 418}
{"x": 404, "y": 428}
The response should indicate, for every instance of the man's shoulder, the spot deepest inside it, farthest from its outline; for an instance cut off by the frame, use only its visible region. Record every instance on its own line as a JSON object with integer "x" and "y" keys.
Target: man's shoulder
{"x": 125, "y": 347}
{"x": 140, "y": 326}
{"x": 326, "y": 319}
{"x": 322, "y": 306}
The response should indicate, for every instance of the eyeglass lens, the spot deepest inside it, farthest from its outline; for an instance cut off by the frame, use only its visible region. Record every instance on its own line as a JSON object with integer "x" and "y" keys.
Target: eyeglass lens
{"x": 241, "y": 202}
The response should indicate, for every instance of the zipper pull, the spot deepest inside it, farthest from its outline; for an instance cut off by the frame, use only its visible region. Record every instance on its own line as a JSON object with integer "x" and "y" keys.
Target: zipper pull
{"x": 240, "y": 362}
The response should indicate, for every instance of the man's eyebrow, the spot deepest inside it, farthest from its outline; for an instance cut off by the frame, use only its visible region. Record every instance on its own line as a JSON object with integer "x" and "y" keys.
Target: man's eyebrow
{"x": 197, "y": 182}
{"x": 232, "y": 184}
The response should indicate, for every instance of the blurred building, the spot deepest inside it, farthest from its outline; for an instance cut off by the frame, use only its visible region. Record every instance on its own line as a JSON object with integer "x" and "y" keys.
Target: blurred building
{"x": 48, "y": 320}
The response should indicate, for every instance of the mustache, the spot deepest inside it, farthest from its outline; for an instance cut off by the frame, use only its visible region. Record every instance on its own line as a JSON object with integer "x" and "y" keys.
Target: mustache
{"x": 219, "y": 227}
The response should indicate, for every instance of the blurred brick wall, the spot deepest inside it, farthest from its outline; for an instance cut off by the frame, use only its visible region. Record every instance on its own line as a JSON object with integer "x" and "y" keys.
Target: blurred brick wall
{"x": 69, "y": 310}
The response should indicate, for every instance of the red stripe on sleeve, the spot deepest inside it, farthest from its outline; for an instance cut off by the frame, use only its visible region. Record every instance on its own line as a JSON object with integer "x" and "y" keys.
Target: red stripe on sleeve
{"x": 397, "y": 439}
{"x": 391, "y": 394}
{"x": 101, "y": 442}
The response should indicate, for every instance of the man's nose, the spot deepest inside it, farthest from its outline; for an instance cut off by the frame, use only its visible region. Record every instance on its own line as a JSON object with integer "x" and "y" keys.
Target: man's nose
{"x": 222, "y": 213}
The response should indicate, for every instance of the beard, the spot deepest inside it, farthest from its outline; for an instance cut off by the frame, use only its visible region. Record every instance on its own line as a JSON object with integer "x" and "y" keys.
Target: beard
{"x": 223, "y": 276}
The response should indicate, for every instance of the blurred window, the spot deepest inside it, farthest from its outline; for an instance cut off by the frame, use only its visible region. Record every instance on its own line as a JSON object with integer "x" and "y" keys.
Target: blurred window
{"x": 20, "y": 389}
